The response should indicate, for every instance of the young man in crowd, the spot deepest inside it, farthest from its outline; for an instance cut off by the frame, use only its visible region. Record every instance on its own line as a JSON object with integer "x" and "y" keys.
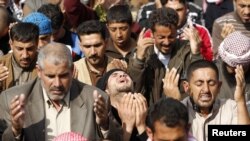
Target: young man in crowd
{"x": 129, "y": 109}
{"x": 120, "y": 44}
{"x": 163, "y": 50}
{"x": 168, "y": 120}
{"x": 18, "y": 67}
{"x": 204, "y": 108}
{"x": 44, "y": 24}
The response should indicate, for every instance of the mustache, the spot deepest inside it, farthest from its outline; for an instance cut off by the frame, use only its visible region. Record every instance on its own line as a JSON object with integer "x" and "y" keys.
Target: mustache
{"x": 166, "y": 45}
{"x": 60, "y": 88}
{"x": 93, "y": 56}
{"x": 25, "y": 59}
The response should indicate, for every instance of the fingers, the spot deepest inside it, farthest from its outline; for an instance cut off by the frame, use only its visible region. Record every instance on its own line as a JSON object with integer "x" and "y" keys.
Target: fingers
{"x": 117, "y": 64}
{"x": 171, "y": 77}
{"x": 239, "y": 75}
{"x": 3, "y": 72}
{"x": 227, "y": 29}
{"x": 99, "y": 104}
{"x": 17, "y": 113}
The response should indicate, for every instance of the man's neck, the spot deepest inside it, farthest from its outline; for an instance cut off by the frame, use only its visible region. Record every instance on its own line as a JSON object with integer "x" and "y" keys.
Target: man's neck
{"x": 124, "y": 50}
{"x": 98, "y": 66}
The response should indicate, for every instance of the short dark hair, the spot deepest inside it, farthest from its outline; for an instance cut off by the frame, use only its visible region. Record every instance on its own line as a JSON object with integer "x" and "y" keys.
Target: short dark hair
{"x": 119, "y": 14}
{"x": 201, "y": 64}
{"x": 163, "y": 16}
{"x": 24, "y": 32}
{"x": 91, "y": 27}
{"x": 163, "y": 2}
{"x": 168, "y": 111}
{"x": 54, "y": 13}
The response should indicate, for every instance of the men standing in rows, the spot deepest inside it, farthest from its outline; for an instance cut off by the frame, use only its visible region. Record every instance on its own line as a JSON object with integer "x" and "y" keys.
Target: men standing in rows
{"x": 238, "y": 20}
{"x": 129, "y": 109}
{"x": 163, "y": 50}
{"x": 234, "y": 50}
{"x": 203, "y": 87}
{"x": 18, "y": 67}
{"x": 55, "y": 103}
{"x": 44, "y": 24}
{"x": 120, "y": 43}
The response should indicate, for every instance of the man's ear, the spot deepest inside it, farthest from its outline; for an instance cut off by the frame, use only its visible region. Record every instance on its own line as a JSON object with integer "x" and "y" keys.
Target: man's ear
{"x": 185, "y": 86}
{"x": 149, "y": 133}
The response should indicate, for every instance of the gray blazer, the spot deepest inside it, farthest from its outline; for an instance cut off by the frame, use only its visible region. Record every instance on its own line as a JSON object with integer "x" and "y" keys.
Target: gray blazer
{"x": 82, "y": 115}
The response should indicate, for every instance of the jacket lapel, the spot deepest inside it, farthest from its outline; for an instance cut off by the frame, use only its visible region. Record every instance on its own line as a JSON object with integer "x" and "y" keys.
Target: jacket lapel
{"x": 78, "y": 108}
{"x": 35, "y": 115}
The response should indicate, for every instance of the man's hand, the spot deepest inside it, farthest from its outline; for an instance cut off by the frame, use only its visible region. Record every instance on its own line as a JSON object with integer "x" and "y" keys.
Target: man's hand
{"x": 191, "y": 33}
{"x": 240, "y": 84}
{"x": 17, "y": 113}
{"x": 227, "y": 29}
{"x": 170, "y": 84}
{"x": 126, "y": 110}
{"x": 101, "y": 109}
{"x": 141, "y": 112}
{"x": 3, "y": 72}
{"x": 143, "y": 44}
{"x": 117, "y": 64}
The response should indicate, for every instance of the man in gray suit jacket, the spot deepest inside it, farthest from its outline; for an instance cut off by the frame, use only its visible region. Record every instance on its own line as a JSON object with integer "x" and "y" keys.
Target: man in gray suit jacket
{"x": 55, "y": 103}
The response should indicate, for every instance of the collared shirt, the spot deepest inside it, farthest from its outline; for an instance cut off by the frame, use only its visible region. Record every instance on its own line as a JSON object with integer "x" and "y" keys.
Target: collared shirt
{"x": 224, "y": 112}
{"x": 21, "y": 76}
{"x": 56, "y": 122}
{"x": 163, "y": 58}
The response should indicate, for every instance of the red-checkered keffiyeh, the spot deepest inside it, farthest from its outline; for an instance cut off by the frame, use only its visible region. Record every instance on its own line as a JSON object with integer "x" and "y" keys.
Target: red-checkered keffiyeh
{"x": 70, "y": 136}
{"x": 235, "y": 49}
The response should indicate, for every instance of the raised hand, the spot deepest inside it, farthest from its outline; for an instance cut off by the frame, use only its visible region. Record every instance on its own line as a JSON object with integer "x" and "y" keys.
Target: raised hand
{"x": 240, "y": 84}
{"x": 126, "y": 110}
{"x": 170, "y": 84}
{"x": 143, "y": 44}
{"x": 101, "y": 109}
{"x": 17, "y": 113}
{"x": 141, "y": 112}
{"x": 191, "y": 33}
{"x": 3, "y": 72}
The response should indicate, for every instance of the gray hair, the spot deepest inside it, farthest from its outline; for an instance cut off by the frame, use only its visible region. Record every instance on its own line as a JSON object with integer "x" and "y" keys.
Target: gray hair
{"x": 56, "y": 53}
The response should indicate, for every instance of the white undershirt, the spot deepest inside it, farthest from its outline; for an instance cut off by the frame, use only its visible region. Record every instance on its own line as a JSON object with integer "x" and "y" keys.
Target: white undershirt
{"x": 163, "y": 58}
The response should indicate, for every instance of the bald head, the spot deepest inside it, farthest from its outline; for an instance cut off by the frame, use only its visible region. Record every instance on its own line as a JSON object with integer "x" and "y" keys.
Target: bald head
{"x": 55, "y": 53}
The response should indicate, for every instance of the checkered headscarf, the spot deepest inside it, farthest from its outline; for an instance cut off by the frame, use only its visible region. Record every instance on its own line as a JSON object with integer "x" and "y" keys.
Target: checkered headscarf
{"x": 235, "y": 49}
{"x": 70, "y": 136}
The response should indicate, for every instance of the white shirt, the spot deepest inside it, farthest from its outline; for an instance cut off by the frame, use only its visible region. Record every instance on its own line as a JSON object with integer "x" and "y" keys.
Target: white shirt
{"x": 162, "y": 57}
